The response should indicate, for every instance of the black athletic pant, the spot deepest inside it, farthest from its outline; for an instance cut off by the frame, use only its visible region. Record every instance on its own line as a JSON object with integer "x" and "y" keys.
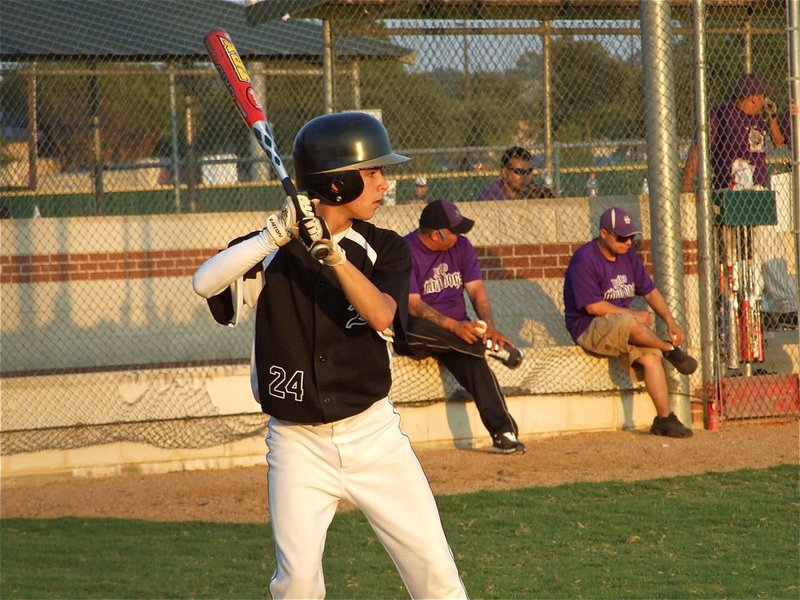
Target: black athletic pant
{"x": 468, "y": 365}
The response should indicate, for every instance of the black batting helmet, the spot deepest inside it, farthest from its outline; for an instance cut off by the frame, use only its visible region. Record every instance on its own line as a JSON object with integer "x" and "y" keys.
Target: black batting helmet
{"x": 331, "y": 149}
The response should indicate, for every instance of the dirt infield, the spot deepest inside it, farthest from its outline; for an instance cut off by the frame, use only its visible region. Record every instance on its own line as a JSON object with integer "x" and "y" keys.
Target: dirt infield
{"x": 239, "y": 495}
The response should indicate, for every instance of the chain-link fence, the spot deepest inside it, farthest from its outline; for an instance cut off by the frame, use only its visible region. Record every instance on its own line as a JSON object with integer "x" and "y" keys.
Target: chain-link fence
{"x": 124, "y": 164}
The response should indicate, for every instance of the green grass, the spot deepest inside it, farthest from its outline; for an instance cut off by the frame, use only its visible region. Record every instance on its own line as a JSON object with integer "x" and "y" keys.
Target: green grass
{"x": 731, "y": 535}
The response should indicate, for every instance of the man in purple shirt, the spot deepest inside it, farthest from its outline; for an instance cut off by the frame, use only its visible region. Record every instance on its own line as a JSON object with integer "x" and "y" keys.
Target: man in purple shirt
{"x": 516, "y": 171}
{"x": 444, "y": 265}
{"x": 737, "y": 132}
{"x": 602, "y": 279}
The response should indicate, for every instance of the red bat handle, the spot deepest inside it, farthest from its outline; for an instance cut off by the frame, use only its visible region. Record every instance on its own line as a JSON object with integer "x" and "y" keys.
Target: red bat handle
{"x": 231, "y": 69}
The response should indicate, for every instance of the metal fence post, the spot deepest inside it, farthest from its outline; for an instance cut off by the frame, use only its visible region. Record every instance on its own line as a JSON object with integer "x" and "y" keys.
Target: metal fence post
{"x": 173, "y": 117}
{"x": 662, "y": 175}
{"x": 705, "y": 252}
{"x": 548, "y": 104}
{"x": 33, "y": 130}
{"x": 97, "y": 156}
{"x": 327, "y": 65}
{"x": 793, "y": 31}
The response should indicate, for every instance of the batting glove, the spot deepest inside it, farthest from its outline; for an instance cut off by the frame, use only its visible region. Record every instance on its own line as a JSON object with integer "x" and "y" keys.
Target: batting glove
{"x": 316, "y": 236}
{"x": 276, "y": 233}
{"x": 312, "y": 230}
{"x": 336, "y": 254}
{"x": 770, "y": 109}
{"x": 292, "y": 217}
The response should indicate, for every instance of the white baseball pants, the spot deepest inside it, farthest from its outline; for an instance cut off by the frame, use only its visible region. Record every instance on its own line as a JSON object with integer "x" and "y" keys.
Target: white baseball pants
{"x": 367, "y": 460}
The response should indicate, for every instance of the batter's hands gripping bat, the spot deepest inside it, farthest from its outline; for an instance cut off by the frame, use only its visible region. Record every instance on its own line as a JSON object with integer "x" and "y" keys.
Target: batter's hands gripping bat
{"x": 231, "y": 68}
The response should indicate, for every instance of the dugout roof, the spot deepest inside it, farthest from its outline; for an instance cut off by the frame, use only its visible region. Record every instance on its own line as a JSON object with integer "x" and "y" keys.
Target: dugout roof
{"x": 259, "y": 11}
{"x": 158, "y": 30}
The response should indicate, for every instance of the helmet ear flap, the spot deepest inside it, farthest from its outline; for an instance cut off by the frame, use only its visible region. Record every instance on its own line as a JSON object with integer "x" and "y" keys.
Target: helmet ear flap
{"x": 335, "y": 188}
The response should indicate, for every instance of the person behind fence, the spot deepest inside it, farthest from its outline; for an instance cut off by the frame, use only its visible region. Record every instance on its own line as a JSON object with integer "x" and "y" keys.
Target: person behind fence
{"x": 420, "y": 191}
{"x": 602, "y": 278}
{"x": 738, "y": 152}
{"x": 516, "y": 178}
{"x": 444, "y": 266}
{"x": 737, "y": 137}
{"x": 321, "y": 366}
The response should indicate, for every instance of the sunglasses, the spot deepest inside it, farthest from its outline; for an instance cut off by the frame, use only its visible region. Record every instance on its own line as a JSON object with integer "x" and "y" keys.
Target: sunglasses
{"x": 624, "y": 238}
{"x": 520, "y": 171}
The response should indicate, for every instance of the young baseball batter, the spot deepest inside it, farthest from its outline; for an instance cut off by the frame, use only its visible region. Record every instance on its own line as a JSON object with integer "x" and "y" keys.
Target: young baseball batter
{"x": 320, "y": 365}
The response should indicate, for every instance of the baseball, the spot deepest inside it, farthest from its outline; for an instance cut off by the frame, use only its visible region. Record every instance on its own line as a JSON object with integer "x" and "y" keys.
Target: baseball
{"x": 481, "y": 327}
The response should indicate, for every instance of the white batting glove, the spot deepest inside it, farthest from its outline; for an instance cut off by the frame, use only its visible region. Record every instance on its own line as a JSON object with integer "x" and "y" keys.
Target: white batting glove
{"x": 336, "y": 254}
{"x": 275, "y": 234}
{"x": 292, "y": 218}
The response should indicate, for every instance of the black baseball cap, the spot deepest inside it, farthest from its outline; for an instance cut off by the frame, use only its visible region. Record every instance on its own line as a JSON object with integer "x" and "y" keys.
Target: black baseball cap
{"x": 443, "y": 214}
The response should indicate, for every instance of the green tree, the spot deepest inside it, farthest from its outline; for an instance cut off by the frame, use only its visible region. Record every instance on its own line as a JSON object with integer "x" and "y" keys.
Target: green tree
{"x": 596, "y": 95}
{"x": 133, "y": 111}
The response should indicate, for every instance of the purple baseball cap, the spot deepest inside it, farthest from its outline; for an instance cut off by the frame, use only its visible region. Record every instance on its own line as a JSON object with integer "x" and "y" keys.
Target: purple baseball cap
{"x": 749, "y": 84}
{"x": 619, "y": 221}
{"x": 443, "y": 214}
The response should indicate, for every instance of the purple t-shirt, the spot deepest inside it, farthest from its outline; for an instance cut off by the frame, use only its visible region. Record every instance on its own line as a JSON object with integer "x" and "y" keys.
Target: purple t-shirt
{"x": 493, "y": 191}
{"x": 591, "y": 277}
{"x": 732, "y": 134}
{"x": 439, "y": 277}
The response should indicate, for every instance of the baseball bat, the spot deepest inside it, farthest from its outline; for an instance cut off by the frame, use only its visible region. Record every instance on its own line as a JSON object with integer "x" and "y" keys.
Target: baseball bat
{"x": 752, "y": 341}
{"x": 758, "y": 326}
{"x": 746, "y": 329}
{"x": 755, "y": 316}
{"x": 234, "y": 75}
{"x": 722, "y": 293}
{"x": 759, "y": 329}
{"x": 732, "y": 304}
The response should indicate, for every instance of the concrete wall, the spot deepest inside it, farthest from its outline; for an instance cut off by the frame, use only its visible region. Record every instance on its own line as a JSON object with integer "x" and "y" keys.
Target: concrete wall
{"x": 74, "y": 288}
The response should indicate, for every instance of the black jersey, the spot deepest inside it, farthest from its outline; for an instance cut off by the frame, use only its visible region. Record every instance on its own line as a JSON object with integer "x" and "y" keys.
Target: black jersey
{"x": 316, "y": 359}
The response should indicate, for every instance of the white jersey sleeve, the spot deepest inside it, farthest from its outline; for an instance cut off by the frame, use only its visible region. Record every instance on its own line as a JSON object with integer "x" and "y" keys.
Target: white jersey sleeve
{"x": 229, "y": 265}
{"x": 232, "y": 279}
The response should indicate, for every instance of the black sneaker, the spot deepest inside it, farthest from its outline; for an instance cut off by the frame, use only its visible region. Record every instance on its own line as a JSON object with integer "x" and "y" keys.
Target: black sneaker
{"x": 509, "y": 356}
{"x": 507, "y": 443}
{"x": 684, "y": 363}
{"x": 670, "y": 426}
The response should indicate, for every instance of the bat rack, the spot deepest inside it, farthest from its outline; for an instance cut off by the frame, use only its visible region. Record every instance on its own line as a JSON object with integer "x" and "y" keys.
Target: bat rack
{"x": 739, "y": 215}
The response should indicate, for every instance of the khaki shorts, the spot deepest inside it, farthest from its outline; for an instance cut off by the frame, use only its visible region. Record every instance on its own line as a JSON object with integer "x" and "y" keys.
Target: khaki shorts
{"x": 610, "y": 336}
